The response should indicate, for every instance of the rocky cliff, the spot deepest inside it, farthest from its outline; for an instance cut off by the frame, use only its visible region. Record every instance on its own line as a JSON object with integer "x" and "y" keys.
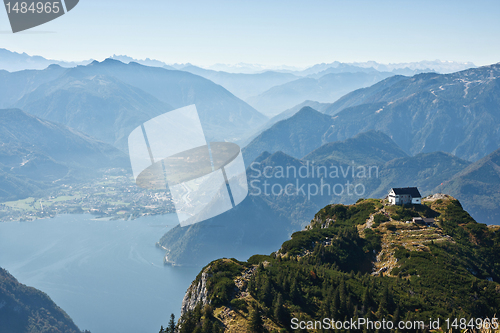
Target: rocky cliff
{"x": 197, "y": 293}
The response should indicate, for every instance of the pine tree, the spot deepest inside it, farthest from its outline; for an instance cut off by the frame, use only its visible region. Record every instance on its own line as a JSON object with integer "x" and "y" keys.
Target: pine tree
{"x": 342, "y": 294}
{"x": 382, "y": 308}
{"x": 396, "y": 317}
{"x": 294, "y": 293}
{"x": 256, "y": 324}
{"x": 366, "y": 300}
{"x": 188, "y": 323}
{"x": 171, "y": 324}
{"x": 266, "y": 293}
{"x": 325, "y": 307}
{"x": 335, "y": 307}
{"x": 162, "y": 330}
{"x": 278, "y": 309}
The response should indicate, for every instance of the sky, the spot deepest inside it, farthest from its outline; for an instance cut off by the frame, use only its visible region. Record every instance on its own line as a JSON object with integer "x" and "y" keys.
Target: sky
{"x": 271, "y": 32}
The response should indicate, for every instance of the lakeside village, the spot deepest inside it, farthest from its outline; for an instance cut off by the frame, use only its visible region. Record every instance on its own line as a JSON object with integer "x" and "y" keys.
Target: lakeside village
{"x": 309, "y": 179}
{"x": 113, "y": 197}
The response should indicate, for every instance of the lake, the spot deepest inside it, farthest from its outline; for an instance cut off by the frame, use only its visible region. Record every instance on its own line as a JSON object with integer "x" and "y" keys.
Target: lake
{"x": 107, "y": 275}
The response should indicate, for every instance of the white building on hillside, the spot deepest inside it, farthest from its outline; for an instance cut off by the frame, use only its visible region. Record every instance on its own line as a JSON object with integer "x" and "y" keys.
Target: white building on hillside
{"x": 405, "y": 195}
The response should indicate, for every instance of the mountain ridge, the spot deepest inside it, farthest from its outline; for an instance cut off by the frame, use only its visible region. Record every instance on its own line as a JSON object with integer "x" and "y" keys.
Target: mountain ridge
{"x": 455, "y": 113}
{"x": 100, "y": 106}
{"x": 327, "y": 89}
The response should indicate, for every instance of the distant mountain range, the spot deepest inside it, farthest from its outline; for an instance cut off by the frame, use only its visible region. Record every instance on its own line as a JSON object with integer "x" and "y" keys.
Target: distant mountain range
{"x": 108, "y": 99}
{"x": 36, "y": 153}
{"x": 246, "y": 68}
{"x": 223, "y": 115}
{"x": 349, "y": 68}
{"x": 455, "y": 113}
{"x": 327, "y": 88}
{"x": 438, "y": 66}
{"x": 98, "y": 105}
{"x": 146, "y": 62}
{"x": 28, "y": 310}
{"x": 409, "y": 68}
{"x": 243, "y": 85}
{"x": 13, "y": 61}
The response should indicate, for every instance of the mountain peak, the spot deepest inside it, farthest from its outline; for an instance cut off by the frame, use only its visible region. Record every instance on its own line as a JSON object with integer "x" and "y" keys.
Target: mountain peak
{"x": 106, "y": 62}
{"x": 281, "y": 158}
{"x": 54, "y": 66}
{"x": 262, "y": 156}
{"x": 109, "y": 61}
{"x": 14, "y": 113}
{"x": 307, "y": 109}
{"x": 307, "y": 112}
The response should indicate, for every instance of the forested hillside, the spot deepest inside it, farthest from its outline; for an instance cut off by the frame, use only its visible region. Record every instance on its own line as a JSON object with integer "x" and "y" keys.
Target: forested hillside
{"x": 358, "y": 261}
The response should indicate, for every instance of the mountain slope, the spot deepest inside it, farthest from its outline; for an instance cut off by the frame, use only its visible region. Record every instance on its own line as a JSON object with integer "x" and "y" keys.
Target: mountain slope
{"x": 27, "y": 310}
{"x": 477, "y": 187}
{"x": 285, "y": 115}
{"x": 369, "y": 148}
{"x": 327, "y": 88}
{"x": 295, "y": 136}
{"x": 15, "y": 85}
{"x": 100, "y": 106}
{"x": 34, "y": 153}
{"x": 364, "y": 95}
{"x": 456, "y": 113}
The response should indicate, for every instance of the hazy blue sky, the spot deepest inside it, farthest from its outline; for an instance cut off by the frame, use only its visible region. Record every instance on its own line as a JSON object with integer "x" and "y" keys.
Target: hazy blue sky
{"x": 271, "y": 32}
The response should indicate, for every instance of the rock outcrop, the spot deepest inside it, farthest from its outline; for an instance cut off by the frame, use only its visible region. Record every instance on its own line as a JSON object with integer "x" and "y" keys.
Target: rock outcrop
{"x": 197, "y": 293}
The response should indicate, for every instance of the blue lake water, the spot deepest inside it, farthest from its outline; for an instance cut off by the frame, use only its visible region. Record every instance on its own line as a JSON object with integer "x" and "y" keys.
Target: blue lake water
{"x": 107, "y": 275}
